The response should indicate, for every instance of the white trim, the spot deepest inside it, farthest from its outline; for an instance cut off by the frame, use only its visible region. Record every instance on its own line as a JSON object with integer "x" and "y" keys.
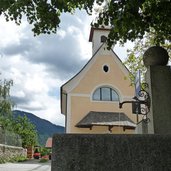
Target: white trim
{"x": 117, "y": 123}
{"x": 120, "y": 64}
{"x": 111, "y": 53}
{"x": 75, "y": 81}
{"x": 80, "y": 95}
{"x": 108, "y": 65}
{"x": 68, "y": 87}
{"x": 68, "y": 124}
{"x": 96, "y": 101}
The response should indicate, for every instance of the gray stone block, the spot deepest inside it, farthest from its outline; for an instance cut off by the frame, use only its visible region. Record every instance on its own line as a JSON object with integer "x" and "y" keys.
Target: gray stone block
{"x": 76, "y": 152}
{"x": 159, "y": 81}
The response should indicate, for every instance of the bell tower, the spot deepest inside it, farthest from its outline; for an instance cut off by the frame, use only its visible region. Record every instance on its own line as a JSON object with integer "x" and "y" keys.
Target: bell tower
{"x": 98, "y": 36}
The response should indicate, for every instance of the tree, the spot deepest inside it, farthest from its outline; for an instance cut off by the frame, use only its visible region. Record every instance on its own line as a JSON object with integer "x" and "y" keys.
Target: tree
{"x": 5, "y": 103}
{"x": 20, "y": 125}
{"x": 129, "y": 19}
{"x": 26, "y": 130}
{"x": 132, "y": 19}
{"x": 134, "y": 61}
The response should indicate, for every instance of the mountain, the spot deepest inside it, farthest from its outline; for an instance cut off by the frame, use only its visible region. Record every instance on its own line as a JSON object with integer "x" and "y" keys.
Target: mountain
{"x": 45, "y": 129}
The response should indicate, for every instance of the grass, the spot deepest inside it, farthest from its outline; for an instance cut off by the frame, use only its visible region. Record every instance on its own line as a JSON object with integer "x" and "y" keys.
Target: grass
{"x": 43, "y": 160}
{"x": 13, "y": 159}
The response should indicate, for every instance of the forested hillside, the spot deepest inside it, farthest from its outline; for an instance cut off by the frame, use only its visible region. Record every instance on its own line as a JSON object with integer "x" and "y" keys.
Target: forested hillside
{"x": 44, "y": 128}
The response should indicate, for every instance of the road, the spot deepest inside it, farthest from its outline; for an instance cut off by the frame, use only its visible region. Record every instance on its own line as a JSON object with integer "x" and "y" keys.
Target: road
{"x": 31, "y": 165}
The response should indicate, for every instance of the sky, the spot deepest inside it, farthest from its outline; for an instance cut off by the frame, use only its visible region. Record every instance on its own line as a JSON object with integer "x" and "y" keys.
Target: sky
{"x": 40, "y": 65}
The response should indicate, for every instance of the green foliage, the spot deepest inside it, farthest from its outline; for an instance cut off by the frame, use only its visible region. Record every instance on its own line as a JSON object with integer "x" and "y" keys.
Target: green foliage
{"x": 21, "y": 158}
{"x": 19, "y": 125}
{"x": 5, "y": 103}
{"x": 18, "y": 158}
{"x": 134, "y": 61}
{"x": 43, "y": 160}
{"x": 2, "y": 160}
{"x": 129, "y": 19}
{"x": 27, "y": 131}
{"x": 43, "y": 15}
{"x": 44, "y": 128}
{"x": 45, "y": 151}
{"x": 132, "y": 19}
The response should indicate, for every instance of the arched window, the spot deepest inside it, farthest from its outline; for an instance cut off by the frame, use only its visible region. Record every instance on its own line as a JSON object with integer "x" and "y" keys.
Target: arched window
{"x": 105, "y": 94}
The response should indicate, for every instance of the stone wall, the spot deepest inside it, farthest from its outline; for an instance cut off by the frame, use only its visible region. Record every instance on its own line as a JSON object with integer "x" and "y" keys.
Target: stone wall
{"x": 7, "y": 152}
{"x": 76, "y": 152}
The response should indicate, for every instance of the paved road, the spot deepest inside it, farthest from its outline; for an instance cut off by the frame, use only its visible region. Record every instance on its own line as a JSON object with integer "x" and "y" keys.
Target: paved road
{"x": 31, "y": 165}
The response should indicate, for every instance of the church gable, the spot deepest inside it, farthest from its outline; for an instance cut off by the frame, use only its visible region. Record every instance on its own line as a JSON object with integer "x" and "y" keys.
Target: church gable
{"x": 104, "y": 68}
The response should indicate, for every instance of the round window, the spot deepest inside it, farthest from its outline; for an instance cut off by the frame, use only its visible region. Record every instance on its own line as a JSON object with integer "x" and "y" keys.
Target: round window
{"x": 105, "y": 68}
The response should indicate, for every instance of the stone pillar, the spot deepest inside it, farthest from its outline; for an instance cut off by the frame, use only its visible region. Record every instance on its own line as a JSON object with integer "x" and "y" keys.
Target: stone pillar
{"x": 158, "y": 77}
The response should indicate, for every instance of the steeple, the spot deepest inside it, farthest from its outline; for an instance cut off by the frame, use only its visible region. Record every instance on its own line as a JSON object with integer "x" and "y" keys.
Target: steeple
{"x": 98, "y": 37}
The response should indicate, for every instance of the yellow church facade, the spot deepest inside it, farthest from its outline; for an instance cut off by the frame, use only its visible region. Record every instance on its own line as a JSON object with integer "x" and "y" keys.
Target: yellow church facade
{"x": 90, "y": 100}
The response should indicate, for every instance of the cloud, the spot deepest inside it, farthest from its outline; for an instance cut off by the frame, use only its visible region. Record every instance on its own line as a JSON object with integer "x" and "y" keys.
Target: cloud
{"x": 61, "y": 53}
{"x": 61, "y": 57}
{"x": 40, "y": 65}
{"x": 15, "y": 48}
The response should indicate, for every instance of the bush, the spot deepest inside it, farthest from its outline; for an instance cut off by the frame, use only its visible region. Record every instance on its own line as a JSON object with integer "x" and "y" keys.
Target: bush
{"x": 44, "y": 151}
{"x": 21, "y": 158}
{"x": 2, "y": 160}
{"x": 43, "y": 160}
{"x": 13, "y": 159}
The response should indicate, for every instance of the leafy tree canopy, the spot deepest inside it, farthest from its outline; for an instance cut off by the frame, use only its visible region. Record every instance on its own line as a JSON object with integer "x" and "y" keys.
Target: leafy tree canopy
{"x": 27, "y": 131}
{"x": 20, "y": 125}
{"x": 5, "y": 103}
{"x": 129, "y": 19}
{"x": 134, "y": 61}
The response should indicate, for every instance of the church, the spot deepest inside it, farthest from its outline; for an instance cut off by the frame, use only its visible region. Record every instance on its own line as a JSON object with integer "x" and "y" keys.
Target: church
{"x": 90, "y": 100}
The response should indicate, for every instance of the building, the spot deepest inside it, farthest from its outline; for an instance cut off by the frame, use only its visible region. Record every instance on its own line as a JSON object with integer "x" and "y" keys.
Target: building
{"x": 49, "y": 143}
{"x": 90, "y": 100}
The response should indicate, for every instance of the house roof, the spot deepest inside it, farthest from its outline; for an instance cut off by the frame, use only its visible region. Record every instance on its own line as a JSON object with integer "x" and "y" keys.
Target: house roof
{"x": 49, "y": 143}
{"x": 94, "y": 118}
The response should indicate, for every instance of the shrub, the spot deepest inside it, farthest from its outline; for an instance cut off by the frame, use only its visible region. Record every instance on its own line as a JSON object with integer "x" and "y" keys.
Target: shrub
{"x": 43, "y": 160}
{"x": 13, "y": 159}
{"x": 2, "y": 160}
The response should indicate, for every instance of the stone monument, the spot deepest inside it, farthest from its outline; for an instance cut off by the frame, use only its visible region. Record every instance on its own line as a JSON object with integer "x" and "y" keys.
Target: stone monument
{"x": 158, "y": 78}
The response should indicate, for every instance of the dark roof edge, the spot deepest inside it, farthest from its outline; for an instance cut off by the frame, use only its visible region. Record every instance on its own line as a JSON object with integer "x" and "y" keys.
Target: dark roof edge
{"x": 61, "y": 88}
{"x": 82, "y": 68}
{"x": 121, "y": 62}
{"x": 89, "y": 62}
